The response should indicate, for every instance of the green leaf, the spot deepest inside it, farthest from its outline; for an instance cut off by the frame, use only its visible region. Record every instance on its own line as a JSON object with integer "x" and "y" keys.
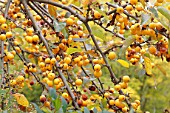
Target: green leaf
{"x": 153, "y": 10}
{"x": 0, "y": 71}
{"x": 95, "y": 110}
{"x": 52, "y": 93}
{"x": 19, "y": 30}
{"x": 65, "y": 33}
{"x": 164, "y": 12}
{"x": 58, "y": 26}
{"x": 71, "y": 50}
{"x": 57, "y": 103}
{"x": 46, "y": 110}
{"x": 145, "y": 18}
{"x": 37, "y": 108}
{"x": 86, "y": 110}
{"x": 103, "y": 103}
{"x": 64, "y": 104}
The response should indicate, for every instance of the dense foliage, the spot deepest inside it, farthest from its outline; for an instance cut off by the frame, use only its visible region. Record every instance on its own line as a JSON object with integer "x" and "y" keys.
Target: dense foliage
{"x": 90, "y": 56}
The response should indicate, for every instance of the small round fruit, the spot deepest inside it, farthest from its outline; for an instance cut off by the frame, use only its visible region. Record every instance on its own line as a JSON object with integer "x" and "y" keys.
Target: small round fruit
{"x": 29, "y": 31}
{"x": 42, "y": 98}
{"x": 78, "y": 82}
{"x": 97, "y": 15}
{"x": 126, "y": 79}
{"x": 129, "y": 8}
{"x": 124, "y": 109}
{"x": 13, "y": 82}
{"x": 20, "y": 79}
{"x": 47, "y": 104}
{"x": 2, "y": 37}
{"x": 133, "y": 2}
{"x": 47, "y": 60}
{"x": 117, "y": 87}
{"x": 67, "y": 60}
{"x": 84, "y": 97}
{"x": 106, "y": 95}
{"x": 119, "y": 104}
{"x": 9, "y": 34}
{"x": 134, "y": 105}
{"x": 120, "y": 10}
{"x": 137, "y": 102}
{"x": 69, "y": 21}
{"x": 124, "y": 85}
{"x": 121, "y": 97}
{"x": 2, "y": 19}
{"x": 10, "y": 56}
{"x": 97, "y": 67}
{"x": 35, "y": 38}
{"x": 160, "y": 1}
{"x": 57, "y": 81}
{"x": 77, "y": 59}
{"x": 98, "y": 74}
{"x": 51, "y": 76}
{"x": 152, "y": 49}
{"x": 50, "y": 83}
{"x": 111, "y": 102}
{"x": 112, "y": 55}
{"x": 4, "y": 26}
{"x": 65, "y": 95}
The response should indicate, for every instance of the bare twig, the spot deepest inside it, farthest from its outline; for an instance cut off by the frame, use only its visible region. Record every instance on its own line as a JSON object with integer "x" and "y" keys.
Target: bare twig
{"x": 37, "y": 29}
{"x": 125, "y": 12}
{"x": 34, "y": 8}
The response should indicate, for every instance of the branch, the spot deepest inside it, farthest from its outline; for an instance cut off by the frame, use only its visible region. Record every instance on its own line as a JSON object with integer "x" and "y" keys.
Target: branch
{"x": 125, "y": 12}
{"x": 73, "y": 12}
{"x": 37, "y": 29}
{"x": 110, "y": 31}
{"x": 33, "y": 7}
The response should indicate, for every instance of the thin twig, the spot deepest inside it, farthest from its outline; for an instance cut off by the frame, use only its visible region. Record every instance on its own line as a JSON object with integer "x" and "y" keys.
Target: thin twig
{"x": 37, "y": 29}
{"x": 125, "y": 12}
{"x": 33, "y": 7}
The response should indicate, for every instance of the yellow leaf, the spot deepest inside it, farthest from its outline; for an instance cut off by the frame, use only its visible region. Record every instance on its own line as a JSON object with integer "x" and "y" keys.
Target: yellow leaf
{"x": 21, "y": 99}
{"x": 123, "y": 63}
{"x": 148, "y": 65}
{"x": 52, "y": 10}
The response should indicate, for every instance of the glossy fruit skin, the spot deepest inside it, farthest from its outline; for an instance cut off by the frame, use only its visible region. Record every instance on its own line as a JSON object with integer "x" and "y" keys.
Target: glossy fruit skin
{"x": 65, "y": 95}
{"x": 120, "y": 10}
{"x": 97, "y": 67}
{"x": 97, "y": 15}
{"x": 160, "y": 1}
{"x": 112, "y": 55}
{"x": 78, "y": 82}
{"x": 42, "y": 98}
{"x": 124, "y": 109}
{"x": 9, "y": 34}
{"x": 117, "y": 87}
{"x": 152, "y": 49}
{"x": 133, "y": 2}
{"x": 98, "y": 74}
{"x": 112, "y": 102}
{"x": 69, "y": 21}
{"x": 4, "y": 26}
{"x": 106, "y": 95}
{"x": 121, "y": 97}
{"x": 2, "y": 37}
{"x": 126, "y": 79}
